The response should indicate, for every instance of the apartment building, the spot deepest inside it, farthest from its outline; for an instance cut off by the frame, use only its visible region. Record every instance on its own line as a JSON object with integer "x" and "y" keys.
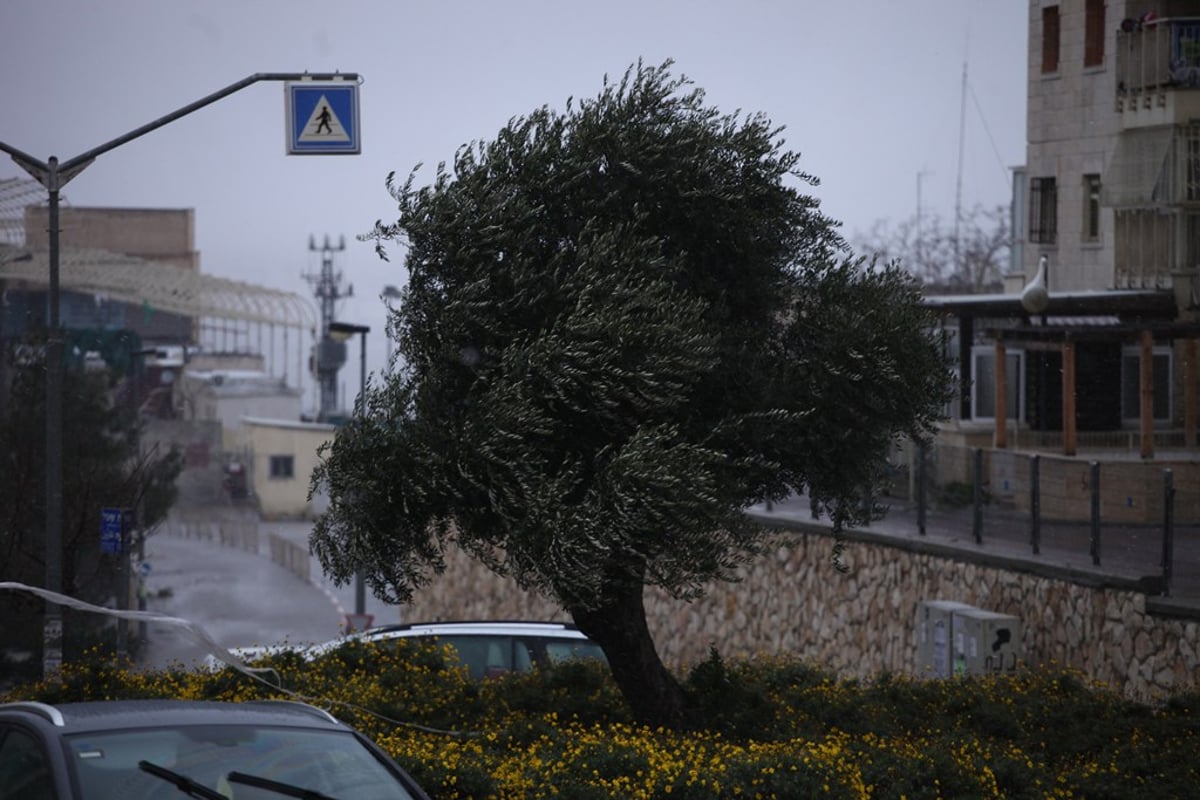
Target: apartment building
{"x": 1093, "y": 344}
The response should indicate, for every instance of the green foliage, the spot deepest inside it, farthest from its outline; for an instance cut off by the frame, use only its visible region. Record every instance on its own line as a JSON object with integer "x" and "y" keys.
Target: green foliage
{"x": 624, "y": 323}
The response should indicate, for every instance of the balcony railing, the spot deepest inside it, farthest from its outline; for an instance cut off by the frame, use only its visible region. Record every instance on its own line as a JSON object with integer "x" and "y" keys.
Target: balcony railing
{"x": 1158, "y": 55}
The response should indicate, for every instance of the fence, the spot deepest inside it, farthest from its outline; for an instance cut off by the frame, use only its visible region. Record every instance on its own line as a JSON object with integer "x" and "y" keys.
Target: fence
{"x": 1139, "y": 518}
{"x": 1161, "y": 54}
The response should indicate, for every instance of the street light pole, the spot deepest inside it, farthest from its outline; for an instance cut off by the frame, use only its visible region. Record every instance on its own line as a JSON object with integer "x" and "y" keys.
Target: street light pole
{"x": 53, "y": 176}
{"x": 346, "y": 330}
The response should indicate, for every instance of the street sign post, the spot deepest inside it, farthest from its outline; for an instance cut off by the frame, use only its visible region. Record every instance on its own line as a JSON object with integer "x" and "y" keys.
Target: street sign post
{"x": 322, "y": 118}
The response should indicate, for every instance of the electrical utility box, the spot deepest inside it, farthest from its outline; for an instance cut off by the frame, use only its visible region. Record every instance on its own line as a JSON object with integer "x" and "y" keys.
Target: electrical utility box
{"x": 984, "y": 642}
{"x": 934, "y": 621}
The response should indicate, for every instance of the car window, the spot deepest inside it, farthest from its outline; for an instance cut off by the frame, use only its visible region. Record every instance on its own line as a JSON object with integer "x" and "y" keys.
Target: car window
{"x": 559, "y": 650}
{"x": 24, "y": 770}
{"x": 334, "y": 763}
{"x": 484, "y": 656}
{"x": 492, "y": 655}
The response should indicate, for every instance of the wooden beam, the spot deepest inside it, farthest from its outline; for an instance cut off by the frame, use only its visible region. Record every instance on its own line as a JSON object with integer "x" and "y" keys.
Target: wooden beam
{"x": 1147, "y": 394}
{"x": 1190, "y": 384}
{"x": 1068, "y": 397}
{"x": 1000, "y": 438}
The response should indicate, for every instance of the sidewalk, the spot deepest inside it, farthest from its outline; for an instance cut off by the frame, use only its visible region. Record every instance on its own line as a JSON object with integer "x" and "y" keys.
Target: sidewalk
{"x": 1130, "y": 557}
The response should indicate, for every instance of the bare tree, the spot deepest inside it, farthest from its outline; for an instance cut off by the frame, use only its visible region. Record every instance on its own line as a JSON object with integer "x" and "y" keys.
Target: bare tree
{"x": 927, "y": 247}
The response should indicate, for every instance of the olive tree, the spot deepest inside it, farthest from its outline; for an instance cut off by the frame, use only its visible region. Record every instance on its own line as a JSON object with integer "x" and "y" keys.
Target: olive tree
{"x": 624, "y": 323}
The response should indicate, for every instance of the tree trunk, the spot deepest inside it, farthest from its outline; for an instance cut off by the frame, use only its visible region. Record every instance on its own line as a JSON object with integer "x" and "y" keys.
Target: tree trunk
{"x": 619, "y": 627}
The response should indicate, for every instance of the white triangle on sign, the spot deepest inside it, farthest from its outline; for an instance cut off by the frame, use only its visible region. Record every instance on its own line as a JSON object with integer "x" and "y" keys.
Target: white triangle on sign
{"x": 323, "y": 125}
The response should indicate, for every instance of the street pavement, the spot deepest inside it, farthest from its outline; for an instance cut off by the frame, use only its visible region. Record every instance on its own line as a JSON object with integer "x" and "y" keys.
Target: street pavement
{"x": 240, "y": 598}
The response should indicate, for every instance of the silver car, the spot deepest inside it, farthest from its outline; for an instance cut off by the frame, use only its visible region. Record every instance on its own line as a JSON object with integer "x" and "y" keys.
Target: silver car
{"x": 488, "y": 649}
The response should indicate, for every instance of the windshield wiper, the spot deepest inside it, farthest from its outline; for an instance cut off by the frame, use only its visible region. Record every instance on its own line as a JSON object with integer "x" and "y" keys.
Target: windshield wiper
{"x": 276, "y": 786}
{"x": 182, "y": 782}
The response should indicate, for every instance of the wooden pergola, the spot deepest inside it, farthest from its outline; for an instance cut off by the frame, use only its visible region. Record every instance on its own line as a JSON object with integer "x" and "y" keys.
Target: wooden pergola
{"x": 1142, "y": 317}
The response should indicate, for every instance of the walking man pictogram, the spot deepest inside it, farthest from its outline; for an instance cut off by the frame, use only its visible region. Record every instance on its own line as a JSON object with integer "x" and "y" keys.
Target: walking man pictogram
{"x": 323, "y": 120}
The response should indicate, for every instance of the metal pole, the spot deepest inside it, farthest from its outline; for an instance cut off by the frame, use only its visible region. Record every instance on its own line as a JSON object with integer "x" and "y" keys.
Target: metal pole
{"x": 1168, "y": 554}
{"x": 1095, "y": 489}
{"x": 52, "y": 631}
{"x": 360, "y": 589}
{"x": 977, "y": 498}
{"x": 922, "y": 498}
{"x": 1035, "y": 503}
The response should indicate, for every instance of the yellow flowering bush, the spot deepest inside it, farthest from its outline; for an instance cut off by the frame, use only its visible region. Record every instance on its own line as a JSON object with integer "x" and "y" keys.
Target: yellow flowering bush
{"x": 773, "y": 728}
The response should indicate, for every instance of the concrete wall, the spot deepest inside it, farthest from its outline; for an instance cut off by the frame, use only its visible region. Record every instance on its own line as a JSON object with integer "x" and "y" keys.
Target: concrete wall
{"x": 862, "y": 622}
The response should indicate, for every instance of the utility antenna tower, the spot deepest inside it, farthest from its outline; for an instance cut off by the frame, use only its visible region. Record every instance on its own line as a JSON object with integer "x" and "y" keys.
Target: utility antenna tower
{"x": 328, "y": 354}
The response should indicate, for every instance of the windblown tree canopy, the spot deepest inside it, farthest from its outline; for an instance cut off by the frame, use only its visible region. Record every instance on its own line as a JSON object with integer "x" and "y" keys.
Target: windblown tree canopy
{"x": 624, "y": 323}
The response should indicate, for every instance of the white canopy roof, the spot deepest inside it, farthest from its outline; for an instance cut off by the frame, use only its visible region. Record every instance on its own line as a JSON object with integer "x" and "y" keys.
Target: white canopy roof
{"x": 161, "y": 286}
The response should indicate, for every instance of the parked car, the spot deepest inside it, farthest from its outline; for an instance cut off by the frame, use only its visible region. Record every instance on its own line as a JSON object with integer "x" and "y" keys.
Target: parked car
{"x": 164, "y": 749}
{"x": 488, "y": 649}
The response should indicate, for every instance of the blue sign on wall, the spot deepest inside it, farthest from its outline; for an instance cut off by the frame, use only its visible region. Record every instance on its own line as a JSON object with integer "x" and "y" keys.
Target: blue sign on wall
{"x": 322, "y": 118}
{"x": 112, "y": 530}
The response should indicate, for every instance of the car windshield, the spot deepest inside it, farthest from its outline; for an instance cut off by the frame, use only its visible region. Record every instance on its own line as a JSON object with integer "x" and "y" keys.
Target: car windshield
{"x": 333, "y": 763}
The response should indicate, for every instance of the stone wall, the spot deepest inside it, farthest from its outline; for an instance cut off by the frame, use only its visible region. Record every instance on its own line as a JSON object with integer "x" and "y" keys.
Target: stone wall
{"x": 861, "y": 622}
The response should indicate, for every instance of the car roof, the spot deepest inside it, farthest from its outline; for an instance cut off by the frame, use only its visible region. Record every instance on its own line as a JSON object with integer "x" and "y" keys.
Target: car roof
{"x": 479, "y": 627}
{"x": 122, "y": 714}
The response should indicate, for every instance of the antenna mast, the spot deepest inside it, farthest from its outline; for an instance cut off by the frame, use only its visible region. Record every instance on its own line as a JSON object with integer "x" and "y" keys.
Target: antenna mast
{"x": 962, "y": 133}
{"x": 328, "y": 354}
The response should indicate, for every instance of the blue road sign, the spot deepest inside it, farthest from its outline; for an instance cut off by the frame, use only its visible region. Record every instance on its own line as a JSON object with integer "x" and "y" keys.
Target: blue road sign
{"x": 111, "y": 530}
{"x": 322, "y": 118}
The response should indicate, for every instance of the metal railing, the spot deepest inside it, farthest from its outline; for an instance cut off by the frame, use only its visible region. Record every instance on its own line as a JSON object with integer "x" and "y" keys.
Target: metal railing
{"x": 1157, "y": 55}
{"x": 1133, "y": 518}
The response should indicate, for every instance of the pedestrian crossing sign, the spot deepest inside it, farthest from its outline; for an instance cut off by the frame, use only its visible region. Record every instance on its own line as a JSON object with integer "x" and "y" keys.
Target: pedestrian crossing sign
{"x": 322, "y": 118}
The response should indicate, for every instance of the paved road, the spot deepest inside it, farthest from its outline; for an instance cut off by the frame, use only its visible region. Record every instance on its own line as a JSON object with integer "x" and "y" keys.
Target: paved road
{"x": 241, "y": 597}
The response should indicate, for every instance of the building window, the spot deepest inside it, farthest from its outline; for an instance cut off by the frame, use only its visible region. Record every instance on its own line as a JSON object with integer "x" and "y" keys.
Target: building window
{"x": 1091, "y": 208}
{"x": 1043, "y": 211}
{"x": 1093, "y": 42}
{"x": 983, "y": 387}
{"x": 1131, "y": 383}
{"x": 283, "y": 467}
{"x": 1050, "y": 32}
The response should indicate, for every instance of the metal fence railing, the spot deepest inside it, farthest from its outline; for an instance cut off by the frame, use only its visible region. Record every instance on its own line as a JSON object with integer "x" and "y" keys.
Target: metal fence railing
{"x": 1135, "y": 518}
{"x": 1158, "y": 54}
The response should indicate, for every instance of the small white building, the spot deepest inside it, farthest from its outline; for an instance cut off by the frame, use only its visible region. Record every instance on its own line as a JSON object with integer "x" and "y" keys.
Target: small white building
{"x": 284, "y": 455}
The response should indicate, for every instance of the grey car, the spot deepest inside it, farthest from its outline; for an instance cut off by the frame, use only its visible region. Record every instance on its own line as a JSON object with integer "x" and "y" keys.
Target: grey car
{"x": 166, "y": 749}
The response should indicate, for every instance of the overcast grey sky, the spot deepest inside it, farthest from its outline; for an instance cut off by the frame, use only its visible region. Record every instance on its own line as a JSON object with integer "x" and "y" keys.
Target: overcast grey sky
{"x": 868, "y": 90}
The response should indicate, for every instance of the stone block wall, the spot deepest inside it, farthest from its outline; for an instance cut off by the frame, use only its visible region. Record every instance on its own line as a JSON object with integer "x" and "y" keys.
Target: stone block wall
{"x": 793, "y": 600}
